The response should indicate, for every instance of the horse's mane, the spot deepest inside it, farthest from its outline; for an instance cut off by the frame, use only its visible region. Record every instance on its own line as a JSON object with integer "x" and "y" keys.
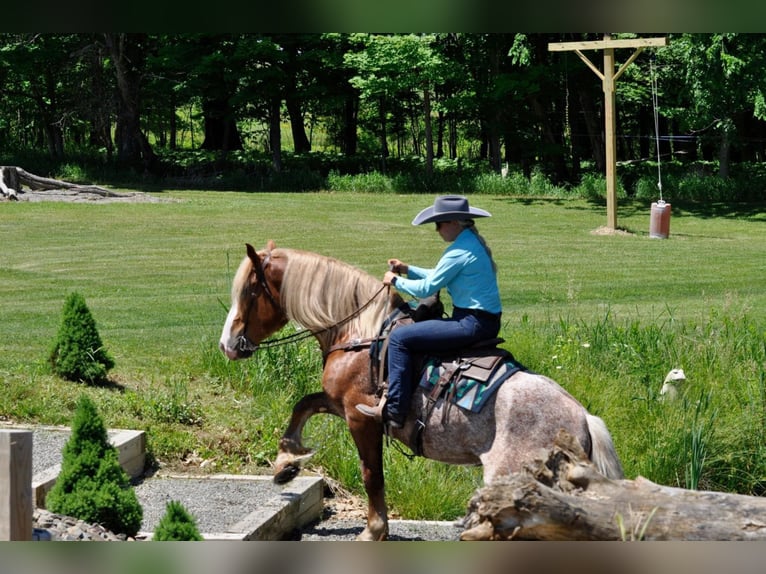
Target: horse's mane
{"x": 319, "y": 291}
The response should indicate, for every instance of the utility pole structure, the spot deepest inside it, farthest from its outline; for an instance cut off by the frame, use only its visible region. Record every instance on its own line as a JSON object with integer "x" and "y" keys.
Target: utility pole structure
{"x": 608, "y": 79}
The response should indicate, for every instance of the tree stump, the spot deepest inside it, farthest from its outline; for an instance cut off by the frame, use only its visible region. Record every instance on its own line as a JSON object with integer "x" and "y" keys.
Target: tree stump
{"x": 566, "y": 498}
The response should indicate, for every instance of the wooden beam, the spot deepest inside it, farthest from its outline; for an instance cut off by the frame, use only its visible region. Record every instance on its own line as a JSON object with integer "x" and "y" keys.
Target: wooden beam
{"x": 16, "y": 485}
{"x": 607, "y": 43}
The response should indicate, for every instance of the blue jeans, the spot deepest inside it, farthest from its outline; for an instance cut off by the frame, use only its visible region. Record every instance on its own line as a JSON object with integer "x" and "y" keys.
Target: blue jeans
{"x": 463, "y": 329}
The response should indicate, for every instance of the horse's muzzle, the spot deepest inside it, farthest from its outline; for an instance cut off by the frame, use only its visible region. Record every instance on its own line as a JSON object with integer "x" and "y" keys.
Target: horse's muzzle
{"x": 234, "y": 354}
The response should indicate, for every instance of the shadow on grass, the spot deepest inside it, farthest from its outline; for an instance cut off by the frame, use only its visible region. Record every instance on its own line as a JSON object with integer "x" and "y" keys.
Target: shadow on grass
{"x": 702, "y": 210}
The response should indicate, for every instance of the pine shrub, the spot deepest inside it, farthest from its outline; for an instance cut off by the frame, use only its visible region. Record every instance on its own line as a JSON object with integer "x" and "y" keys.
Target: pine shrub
{"x": 177, "y": 524}
{"x": 92, "y": 486}
{"x": 78, "y": 353}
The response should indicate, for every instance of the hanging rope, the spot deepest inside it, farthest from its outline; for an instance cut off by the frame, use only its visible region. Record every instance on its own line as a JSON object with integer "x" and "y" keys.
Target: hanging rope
{"x": 656, "y": 125}
{"x": 568, "y": 128}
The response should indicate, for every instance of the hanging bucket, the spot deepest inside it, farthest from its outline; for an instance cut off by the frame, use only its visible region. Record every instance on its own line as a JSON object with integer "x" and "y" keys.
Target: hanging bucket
{"x": 659, "y": 222}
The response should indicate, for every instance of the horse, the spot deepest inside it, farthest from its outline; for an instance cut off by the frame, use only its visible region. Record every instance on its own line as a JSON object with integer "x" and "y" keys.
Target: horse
{"x": 343, "y": 307}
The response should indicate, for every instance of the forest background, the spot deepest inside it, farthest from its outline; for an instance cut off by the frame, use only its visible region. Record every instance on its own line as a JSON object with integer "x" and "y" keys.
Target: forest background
{"x": 288, "y": 112}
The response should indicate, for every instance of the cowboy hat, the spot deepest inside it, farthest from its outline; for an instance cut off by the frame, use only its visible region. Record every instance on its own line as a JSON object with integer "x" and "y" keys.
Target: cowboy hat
{"x": 449, "y": 208}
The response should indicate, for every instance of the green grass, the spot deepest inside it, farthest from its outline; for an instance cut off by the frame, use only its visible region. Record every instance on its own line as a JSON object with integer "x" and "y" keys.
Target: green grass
{"x": 605, "y": 315}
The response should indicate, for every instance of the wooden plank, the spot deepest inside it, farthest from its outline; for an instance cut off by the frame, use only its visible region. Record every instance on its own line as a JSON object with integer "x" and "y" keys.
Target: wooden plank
{"x": 607, "y": 43}
{"x": 16, "y": 485}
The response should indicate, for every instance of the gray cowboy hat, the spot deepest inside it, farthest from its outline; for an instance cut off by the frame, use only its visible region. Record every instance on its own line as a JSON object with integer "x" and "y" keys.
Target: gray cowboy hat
{"x": 449, "y": 208}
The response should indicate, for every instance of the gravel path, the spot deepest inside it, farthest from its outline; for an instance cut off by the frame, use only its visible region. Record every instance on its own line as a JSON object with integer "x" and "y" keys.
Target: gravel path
{"x": 218, "y": 505}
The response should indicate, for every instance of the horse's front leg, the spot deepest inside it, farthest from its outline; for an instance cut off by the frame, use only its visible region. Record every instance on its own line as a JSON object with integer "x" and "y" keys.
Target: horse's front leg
{"x": 292, "y": 453}
{"x": 368, "y": 438}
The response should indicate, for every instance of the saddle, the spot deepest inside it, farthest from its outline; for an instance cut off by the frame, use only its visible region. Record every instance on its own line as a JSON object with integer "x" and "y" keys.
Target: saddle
{"x": 466, "y": 377}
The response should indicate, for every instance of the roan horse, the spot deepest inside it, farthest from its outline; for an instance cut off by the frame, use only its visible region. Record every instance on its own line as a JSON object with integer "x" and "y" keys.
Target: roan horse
{"x": 340, "y": 306}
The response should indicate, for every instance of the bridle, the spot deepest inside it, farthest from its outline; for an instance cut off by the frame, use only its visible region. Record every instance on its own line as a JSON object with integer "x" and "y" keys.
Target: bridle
{"x": 246, "y": 345}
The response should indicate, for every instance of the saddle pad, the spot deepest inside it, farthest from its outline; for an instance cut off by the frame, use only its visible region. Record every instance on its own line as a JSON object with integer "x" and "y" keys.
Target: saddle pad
{"x": 466, "y": 391}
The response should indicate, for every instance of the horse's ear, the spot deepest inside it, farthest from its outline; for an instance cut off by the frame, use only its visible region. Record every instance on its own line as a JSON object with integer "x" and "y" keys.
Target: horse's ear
{"x": 251, "y": 253}
{"x": 270, "y": 246}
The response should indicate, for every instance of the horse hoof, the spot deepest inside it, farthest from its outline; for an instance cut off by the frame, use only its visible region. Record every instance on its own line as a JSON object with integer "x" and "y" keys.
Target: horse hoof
{"x": 367, "y": 536}
{"x": 286, "y": 474}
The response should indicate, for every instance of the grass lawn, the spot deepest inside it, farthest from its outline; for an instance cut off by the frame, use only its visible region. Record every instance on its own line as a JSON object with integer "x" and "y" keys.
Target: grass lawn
{"x": 156, "y": 277}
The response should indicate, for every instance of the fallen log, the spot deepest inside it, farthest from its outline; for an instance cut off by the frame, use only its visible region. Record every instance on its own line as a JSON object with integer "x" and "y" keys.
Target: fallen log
{"x": 13, "y": 178}
{"x": 566, "y": 498}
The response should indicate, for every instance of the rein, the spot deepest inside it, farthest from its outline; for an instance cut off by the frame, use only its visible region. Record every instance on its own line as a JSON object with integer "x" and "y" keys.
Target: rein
{"x": 244, "y": 344}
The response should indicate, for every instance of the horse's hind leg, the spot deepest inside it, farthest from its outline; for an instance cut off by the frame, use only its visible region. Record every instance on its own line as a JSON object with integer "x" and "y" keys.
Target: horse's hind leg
{"x": 292, "y": 453}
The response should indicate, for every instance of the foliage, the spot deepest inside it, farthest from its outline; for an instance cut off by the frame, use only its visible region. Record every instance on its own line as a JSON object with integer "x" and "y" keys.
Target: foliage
{"x": 78, "y": 353}
{"x": 494, "y": 98}
{"x": 92, "y": 486}
{"x": 177, "y": 524}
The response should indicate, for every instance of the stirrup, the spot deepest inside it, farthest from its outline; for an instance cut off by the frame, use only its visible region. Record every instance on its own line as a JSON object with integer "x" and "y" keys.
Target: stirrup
{"x": 375, "y": 412}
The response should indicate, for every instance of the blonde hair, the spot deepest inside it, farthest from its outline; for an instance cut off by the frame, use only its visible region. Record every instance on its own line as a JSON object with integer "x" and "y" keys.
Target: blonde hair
{"x": 471, "y": 224}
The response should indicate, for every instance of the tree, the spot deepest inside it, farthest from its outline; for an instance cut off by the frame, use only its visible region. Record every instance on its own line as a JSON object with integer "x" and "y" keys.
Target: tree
{"x": 78, "y": 353}
{"x": 92, "y": 486}
{"x": 177, "y": 524}
{"x": 42, "y": 75}
{"x": 725, "y": 84}
{"x": 128, "y": 56}
{"x": 399, "y": 68}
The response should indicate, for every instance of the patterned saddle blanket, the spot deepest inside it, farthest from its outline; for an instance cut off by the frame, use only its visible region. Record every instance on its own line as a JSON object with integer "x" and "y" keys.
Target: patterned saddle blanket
{"x": 469, "y": 378}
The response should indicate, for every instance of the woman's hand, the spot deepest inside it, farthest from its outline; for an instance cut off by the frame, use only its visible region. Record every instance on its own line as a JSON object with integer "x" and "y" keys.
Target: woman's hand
{"x": 388, "y": 277}
{"x": 398, "y": 267}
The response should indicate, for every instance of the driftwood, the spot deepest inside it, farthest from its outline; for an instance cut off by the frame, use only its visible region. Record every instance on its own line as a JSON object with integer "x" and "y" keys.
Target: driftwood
{"x": 13, "y": 178}
{"x": 566, "y": 498}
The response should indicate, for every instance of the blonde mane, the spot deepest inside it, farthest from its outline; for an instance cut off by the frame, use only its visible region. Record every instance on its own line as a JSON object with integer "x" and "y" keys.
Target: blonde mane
{"x": 318, "y": 292}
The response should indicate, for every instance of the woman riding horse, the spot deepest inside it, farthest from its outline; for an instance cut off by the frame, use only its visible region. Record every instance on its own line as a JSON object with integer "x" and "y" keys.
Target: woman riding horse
{"x": 468, "y": 272}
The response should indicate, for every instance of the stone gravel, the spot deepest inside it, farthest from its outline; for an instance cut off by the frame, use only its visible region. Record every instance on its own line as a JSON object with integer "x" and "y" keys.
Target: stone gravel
{"x": 216, "y": 504}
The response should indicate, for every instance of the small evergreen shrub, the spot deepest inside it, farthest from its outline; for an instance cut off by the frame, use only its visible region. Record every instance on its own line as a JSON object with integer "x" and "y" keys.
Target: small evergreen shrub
{"x": 78, "y": 353}
{"x": 92, "y": 486}
{"x": 177, "y": 524}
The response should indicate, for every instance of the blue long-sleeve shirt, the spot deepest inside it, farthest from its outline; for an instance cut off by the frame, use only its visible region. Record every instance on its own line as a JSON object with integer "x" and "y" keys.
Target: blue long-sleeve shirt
{"x": 465, "y": 270}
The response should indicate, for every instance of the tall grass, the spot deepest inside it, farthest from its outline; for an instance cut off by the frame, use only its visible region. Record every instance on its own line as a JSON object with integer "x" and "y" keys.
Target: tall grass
{"x": 606, "y": 316}
{"x": 711, "y": 436}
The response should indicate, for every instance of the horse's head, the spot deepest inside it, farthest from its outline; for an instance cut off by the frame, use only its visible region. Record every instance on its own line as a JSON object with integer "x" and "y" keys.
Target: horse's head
{"x": 255, "y": 309}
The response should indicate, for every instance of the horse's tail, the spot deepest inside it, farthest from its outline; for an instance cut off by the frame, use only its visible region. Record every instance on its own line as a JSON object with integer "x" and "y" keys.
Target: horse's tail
{"x": 603, "y": 453}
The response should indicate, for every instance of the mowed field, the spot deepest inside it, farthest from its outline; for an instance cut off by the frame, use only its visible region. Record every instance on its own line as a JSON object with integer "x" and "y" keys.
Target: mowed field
{"x": 154, "y": 274}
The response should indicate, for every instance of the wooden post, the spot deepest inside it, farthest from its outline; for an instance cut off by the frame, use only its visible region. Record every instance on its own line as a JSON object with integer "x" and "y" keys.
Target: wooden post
{"x": 608, "y": 79}
{"x": 16, "y": 485}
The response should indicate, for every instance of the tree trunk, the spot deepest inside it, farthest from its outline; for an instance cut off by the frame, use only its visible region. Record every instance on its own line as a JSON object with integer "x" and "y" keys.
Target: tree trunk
{"x": 13, "y": 178}
{"x": 301, "y": 143}
{"x": 724, "y": 151}
{"x": 595, "y": 131}
{"x": 128, "y": 60}
{"x": 382, "y": 116}
{"x": 275, "y": 134}
{"x": 429, "y": 131}
{"x": 566, "y": 498}
{"x": 350, "y": 138}
{"x": 221, "y": 131}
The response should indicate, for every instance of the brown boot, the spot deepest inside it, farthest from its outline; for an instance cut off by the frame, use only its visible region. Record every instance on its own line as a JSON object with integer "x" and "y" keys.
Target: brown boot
{"x": 375, "y": 412}
{"x": 379, "y": 413}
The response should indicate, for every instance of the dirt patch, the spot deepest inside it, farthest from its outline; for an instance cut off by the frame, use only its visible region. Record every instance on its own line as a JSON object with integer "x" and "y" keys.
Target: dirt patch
{"x": 604, "y": 230}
